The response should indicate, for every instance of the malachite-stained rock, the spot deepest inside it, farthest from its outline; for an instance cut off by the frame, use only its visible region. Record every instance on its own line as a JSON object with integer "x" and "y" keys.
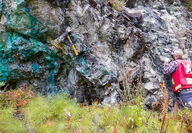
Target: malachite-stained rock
{"x": 0, "y": 7}
{"x": 23, "y": 39}
{"x": 21, "y": 21}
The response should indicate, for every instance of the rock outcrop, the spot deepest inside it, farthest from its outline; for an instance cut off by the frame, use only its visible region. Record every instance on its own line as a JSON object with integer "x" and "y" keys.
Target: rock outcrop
{"x": 115, "y": 47}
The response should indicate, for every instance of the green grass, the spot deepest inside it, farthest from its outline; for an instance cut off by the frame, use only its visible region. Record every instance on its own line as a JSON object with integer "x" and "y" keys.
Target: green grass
{"x": 57, "y": 114}
{"x": 10, "y": 124}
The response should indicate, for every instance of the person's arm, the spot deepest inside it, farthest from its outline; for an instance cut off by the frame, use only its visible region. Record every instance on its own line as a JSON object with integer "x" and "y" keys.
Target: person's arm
{"x": 169, "y": 67}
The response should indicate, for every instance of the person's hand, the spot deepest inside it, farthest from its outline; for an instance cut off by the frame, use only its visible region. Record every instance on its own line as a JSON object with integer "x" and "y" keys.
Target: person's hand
{"x": 167, "y": 60}
{"x": 164, "y": 59}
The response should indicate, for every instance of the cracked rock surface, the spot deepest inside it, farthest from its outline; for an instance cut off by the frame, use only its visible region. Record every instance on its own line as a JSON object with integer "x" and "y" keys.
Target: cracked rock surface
{"x": 111, "y": 45}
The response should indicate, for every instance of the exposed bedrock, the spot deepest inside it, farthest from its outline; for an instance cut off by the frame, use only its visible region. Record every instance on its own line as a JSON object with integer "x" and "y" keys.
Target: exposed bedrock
{"x": 112, "y": 45}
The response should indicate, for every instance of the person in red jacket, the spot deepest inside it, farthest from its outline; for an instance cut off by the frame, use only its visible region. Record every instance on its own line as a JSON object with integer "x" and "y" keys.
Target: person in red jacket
{"x": 181, "y": 76}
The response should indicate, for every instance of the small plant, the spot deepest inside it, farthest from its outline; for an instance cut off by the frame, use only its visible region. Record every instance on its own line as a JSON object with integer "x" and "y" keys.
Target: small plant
{"x": 188, "y": 4}
{"x": 165, "y": 107}
{"x": 2, "y": 84}
{"x": 131, "y": 87}
{"x": 117, "y": 4}
{"x": 16, "y": 98}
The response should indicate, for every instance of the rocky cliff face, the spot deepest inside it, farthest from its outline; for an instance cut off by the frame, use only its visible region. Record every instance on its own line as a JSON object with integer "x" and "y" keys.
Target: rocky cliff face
{"x": 116, "y": 48}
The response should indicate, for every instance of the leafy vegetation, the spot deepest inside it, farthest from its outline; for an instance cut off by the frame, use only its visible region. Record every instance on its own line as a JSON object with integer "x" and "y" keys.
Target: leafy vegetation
{"x": 55, "y": 114}
{"x": 188, "y": 5}
{"x": 16, "y": 98}
{"x": 2, "y": 84}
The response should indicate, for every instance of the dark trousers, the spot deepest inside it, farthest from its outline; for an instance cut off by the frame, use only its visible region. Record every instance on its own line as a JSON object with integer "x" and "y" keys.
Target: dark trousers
{"x": 186, "y": 98}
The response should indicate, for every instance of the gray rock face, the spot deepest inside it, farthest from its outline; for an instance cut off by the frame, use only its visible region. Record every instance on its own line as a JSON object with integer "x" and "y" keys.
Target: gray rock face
{"x": 111, "y": 45}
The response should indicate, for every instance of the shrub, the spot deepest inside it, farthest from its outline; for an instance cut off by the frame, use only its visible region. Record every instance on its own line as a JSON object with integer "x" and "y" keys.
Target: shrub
{"x": 16, "y": 98}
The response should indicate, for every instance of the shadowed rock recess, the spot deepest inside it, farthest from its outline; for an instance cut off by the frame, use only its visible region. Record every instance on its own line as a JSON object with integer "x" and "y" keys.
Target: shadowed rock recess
{"x": 133, "y": 41}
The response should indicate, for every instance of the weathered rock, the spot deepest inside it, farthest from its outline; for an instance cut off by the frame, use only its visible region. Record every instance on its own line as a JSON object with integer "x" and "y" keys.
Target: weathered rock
{"x": 111, "y": 44}
{"x": 130, "y": 3}
{"x": 60, "y": 3}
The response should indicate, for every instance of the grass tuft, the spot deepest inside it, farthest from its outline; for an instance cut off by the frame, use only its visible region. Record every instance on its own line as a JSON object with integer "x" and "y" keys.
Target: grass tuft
{"x": 10, "y": 124}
